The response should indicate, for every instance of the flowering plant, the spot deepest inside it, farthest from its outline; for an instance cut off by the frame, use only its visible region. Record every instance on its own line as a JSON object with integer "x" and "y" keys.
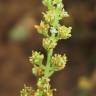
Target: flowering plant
{"x": 52, "y": 31}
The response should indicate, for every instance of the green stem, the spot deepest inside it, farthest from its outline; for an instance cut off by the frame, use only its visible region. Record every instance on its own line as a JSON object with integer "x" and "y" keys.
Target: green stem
{"x": 47, "y": 69}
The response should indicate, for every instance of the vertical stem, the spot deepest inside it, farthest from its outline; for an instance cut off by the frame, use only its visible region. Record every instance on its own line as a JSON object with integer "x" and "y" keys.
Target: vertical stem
{"x": 49, "y": 55}
{"x": 46, "y": 74}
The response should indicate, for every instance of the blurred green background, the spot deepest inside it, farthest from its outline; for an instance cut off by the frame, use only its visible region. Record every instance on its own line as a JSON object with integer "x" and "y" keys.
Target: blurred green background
{"x": 18, "y": 38}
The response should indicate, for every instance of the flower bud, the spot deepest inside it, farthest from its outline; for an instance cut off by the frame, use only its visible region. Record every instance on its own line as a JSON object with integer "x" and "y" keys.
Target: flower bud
{"x": 43, "y": 83}
{"x": 44, "y": 87}
{"x": 36, "y": 58}
{"x": 49, "y": 43}
{"x": 37, "y": 71}
{"x": 27, "y": 91}
{"x": 43, "y": 28}
{"x": 58, "y": 61}
{"x": 64, "y": 32}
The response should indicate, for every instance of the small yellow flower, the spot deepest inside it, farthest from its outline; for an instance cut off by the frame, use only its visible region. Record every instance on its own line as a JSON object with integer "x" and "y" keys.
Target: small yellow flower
{"x": 64, "y": 32}
{"x": 59, "y": 61}
{"x": 27, "y": 91}
{"x": 36, "y": 58}
{"x": 44, "y": 87}
{"x": 49, "y": 16}
{"x": 56, "y": 1}
{"x": 37, "y": 71}
{"x": 43, "y": 28}
{"x": 49, "y": 93}
{"x": 64, "y": 13}
{"x": 49, "y": 43}
{"x": 43, "y": 83}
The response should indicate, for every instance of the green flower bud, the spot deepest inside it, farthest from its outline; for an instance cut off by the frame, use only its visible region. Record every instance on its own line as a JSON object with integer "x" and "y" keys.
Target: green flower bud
{"x": 44, "y": 87}
{"x": 37, "y": 71}
{"x": 49, "y": 43}
{"x": 36, "y": 58}
{"x": 56, "y": 1}
{"x": 47, "y": 3}
{"x": 64, "y": 13}
{"x": 58, "y": 61}
{"x": 43, "y": 28}
{"x": 27, "y": 91}
{"x": 39, "y": 93}
{"x": 49, "y": 16}
{"x": 64, "y": 32}
{"x": 49, "y": 93}
{"x": 43, "y": 83}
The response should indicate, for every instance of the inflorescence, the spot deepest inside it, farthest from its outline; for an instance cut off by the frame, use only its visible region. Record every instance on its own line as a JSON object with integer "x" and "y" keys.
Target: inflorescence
{"x": 52, "y": 31}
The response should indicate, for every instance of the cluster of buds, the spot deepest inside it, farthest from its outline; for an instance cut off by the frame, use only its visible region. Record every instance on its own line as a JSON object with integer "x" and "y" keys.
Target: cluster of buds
{"x": 44, "y": 87}
{"x": 43, "y": 83}
{"x": 27, "y": 91}
{"x": 58, "y": 61}
{"x": 37, "y": 59}
{"x": 38, "y": 71}
{"x": 51, "y": 19}
{"x": 49, "y": 43}
{"x": 64, "y": 32}
{"x": 43, "y": 28}
{"x": 56, "y": 8}
{"x": 44, "y": 93}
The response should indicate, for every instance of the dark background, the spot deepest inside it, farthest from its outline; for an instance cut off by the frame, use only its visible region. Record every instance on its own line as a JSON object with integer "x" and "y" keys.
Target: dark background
{"x": 18, "y": 38}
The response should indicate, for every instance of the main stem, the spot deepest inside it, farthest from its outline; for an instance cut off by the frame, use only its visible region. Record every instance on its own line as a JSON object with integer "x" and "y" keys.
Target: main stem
{"x": 47, "y": 69}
